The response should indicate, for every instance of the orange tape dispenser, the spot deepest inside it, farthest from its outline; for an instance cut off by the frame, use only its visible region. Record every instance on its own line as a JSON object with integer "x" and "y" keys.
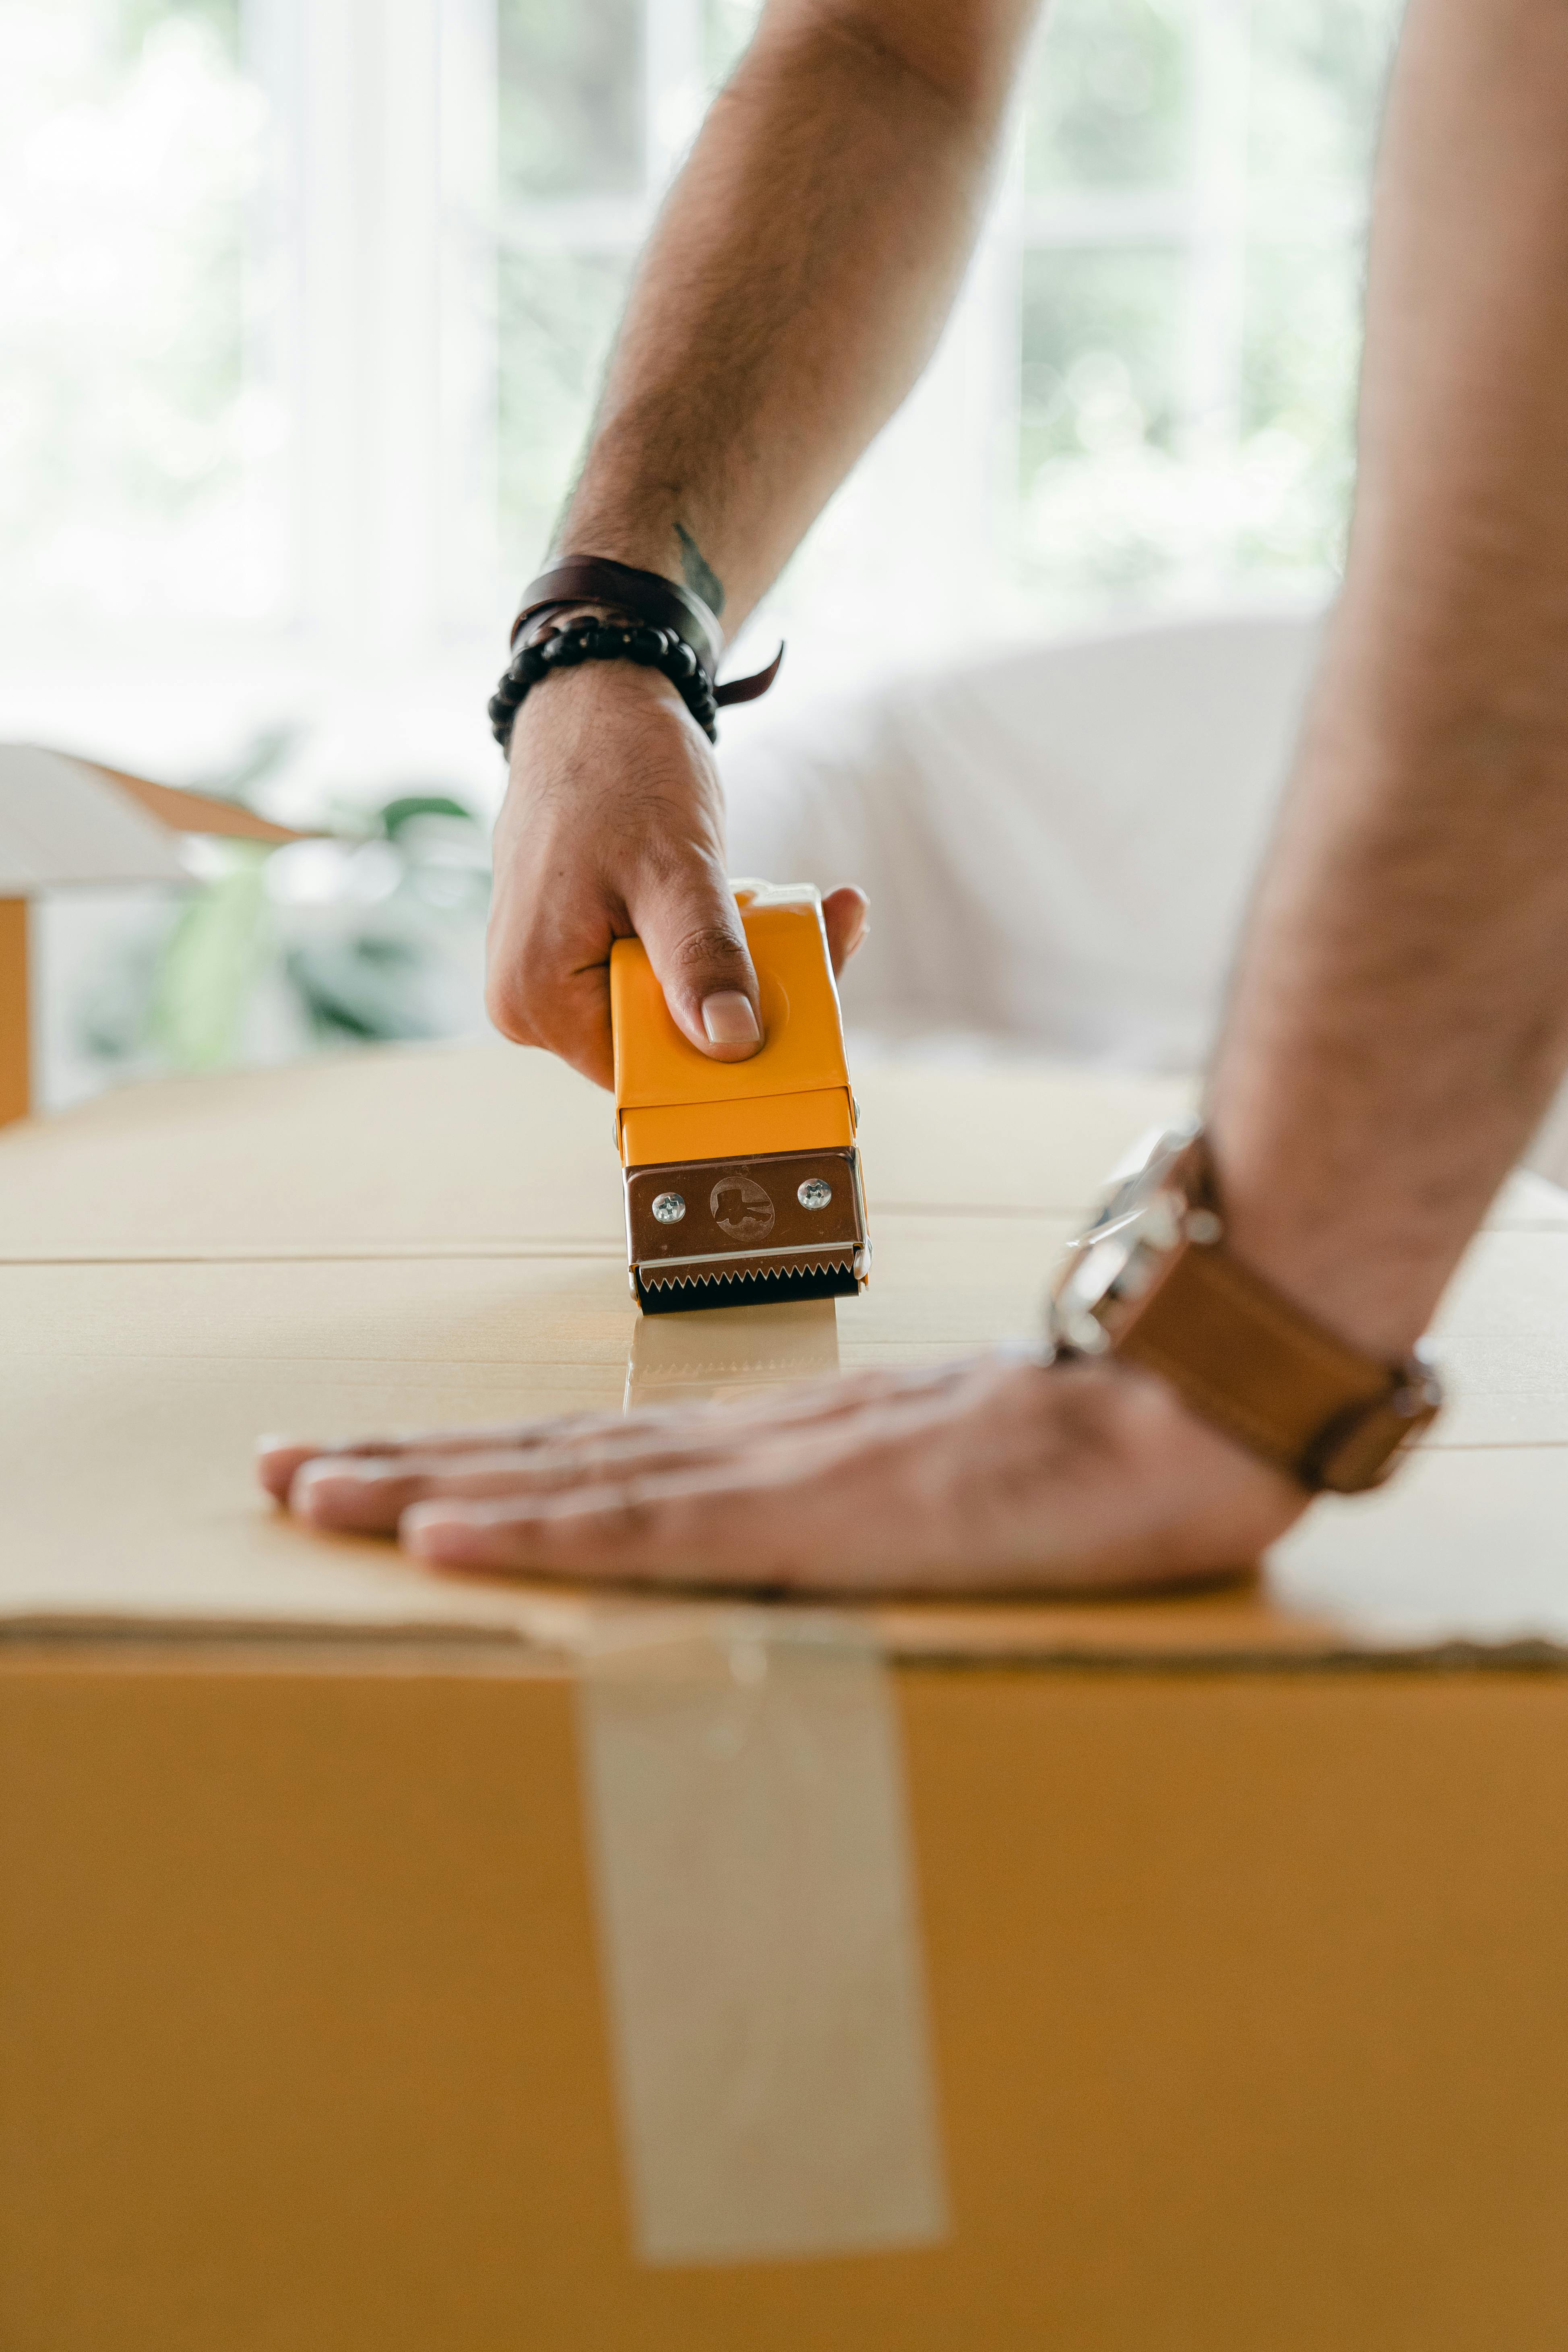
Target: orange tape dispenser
{"x": 742, "y": 1180}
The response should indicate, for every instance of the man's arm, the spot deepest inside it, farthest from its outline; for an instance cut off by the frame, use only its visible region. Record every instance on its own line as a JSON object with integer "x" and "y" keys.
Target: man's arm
{"x": 1400, "y": 1013}
{"x": 792, "y": 291}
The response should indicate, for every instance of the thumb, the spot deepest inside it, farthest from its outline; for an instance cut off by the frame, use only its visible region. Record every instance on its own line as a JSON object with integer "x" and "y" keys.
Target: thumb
{"x": 690, "y": 926}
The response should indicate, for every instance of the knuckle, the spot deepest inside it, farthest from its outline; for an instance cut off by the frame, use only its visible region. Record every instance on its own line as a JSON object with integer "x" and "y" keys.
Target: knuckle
{"x": 620, "y": 1522}
{"x": 524, "y": 997}
{"x": 631, "y": 1516}
{"x": 509, "y": 1001}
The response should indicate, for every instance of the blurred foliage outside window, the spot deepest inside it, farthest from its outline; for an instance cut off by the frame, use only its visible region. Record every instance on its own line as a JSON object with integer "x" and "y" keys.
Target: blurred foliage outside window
{"x": 131, "y": 147}
{"x": 1181, "y": 229}
{"x": 1182, "y": 223}
{"x": 369, "y": 934}
{"x": 1197, "y": 175}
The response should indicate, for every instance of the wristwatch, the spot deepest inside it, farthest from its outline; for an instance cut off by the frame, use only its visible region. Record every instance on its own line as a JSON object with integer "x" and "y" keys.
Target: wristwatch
{"x": 1152, "y": 1281}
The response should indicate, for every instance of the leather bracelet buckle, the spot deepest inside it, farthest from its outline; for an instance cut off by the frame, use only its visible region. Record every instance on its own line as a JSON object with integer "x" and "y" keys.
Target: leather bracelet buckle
{"x": 1363, "y": 1447}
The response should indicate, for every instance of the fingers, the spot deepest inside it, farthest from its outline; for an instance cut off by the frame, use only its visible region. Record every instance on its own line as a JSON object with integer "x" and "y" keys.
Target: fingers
{"x": 278, "y": 1459}
{"x": 372, "y": 1473}
{"x": 611, "y": 780}
{"x": 814, "y": 1505}
{"x": 1022, "y": 1478}
{"x": 686, "y": 916}
{"x": 365, "y": 1496}
{"x": 846, "y": 915}
{"x": 750, "y": 1521}
{"x": 1000, "y": 1473}
{"x": 547, "y": 979}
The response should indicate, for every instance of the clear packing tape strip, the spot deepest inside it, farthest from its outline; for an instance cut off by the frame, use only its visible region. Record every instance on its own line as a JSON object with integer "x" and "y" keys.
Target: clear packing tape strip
{"x": 759, "y": 1940}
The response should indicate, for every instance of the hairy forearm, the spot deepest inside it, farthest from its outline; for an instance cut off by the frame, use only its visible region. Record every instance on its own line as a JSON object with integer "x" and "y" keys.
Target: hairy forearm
{"x": 794, "y": 285}
{"x": 1400, "y": 1013}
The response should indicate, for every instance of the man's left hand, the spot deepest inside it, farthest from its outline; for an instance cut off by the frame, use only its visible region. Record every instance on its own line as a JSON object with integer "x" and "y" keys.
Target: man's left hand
{"x": 995, "y": 1474}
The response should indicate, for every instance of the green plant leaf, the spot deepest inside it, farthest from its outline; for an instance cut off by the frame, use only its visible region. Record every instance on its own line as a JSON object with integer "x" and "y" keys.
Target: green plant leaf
{"x": 209, "y": 966}
{"x": 399, "y": 813}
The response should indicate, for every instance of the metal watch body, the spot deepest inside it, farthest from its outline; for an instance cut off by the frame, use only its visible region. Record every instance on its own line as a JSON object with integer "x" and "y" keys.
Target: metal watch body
{"x": 1146, "y": 1214}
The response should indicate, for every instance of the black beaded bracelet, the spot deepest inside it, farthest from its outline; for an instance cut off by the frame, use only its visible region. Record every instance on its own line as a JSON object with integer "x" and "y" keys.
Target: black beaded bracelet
{"x": 593, "y": 640}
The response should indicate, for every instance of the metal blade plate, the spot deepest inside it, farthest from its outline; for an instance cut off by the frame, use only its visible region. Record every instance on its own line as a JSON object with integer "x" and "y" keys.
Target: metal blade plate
{"x": 712, "y": 1233}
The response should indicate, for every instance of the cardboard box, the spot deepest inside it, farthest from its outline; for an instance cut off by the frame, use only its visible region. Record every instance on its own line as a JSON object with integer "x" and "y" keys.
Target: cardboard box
{"x": 66, "y": 823}
{"x": 1236, "y": 1925}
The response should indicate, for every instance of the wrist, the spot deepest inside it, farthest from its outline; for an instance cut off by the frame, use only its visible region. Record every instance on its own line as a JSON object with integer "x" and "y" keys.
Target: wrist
{"x": 1317, "y": 1220}
{"x": 1158, "y": 1280}
{"x": 664, "y": 550}
{"x": 546, "y": 646}
{"x": 590, "y": 698}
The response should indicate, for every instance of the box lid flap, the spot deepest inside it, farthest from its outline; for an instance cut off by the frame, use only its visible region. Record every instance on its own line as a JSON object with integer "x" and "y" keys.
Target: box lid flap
{"x": 66, "y": 820}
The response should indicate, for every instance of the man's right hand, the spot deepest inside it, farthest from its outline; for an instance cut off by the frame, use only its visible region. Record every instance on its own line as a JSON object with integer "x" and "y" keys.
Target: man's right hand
{"x": 613, "y": 826}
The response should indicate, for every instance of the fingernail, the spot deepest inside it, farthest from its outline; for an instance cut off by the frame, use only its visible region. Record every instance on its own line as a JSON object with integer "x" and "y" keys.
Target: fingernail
{"x": 316, "y": 1485}
{"x": 357, "y": 1470}
{"x": 728, "y": 1019}
{"x": 434, "y": 1531}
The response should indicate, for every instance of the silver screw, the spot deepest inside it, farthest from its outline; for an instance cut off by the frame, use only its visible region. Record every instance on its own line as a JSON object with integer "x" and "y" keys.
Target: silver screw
{"x": 814, "y": 1193}
{"x": 669, "y": 1208}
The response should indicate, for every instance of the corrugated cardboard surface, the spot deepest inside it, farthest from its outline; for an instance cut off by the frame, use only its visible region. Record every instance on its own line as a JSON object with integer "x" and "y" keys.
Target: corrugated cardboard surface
{"x": 421, "y": 1148}
{"x": 1247, "y": 1997}
{"x": 1244, "y": 1914}
{"x": 16, "y": 1040}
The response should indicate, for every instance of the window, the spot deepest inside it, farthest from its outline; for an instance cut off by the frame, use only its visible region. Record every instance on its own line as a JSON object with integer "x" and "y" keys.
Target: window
{"x": 299, "y": 334}
{"x": 130, "y": 423}
{"x": 1148, "y": 390}
{"x": 302, "y": 305}
{"x": 1189, "y": 213}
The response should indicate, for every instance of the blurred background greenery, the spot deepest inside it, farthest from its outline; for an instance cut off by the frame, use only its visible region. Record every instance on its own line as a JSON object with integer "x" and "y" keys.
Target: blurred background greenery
{"x": 370, "y": 932}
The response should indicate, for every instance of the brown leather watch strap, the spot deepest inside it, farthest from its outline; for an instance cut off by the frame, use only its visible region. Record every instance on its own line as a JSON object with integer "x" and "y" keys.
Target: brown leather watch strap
{"x": 1244, "y": 1356}
{"x": 1153, "y": 1281}
{"x": 599, "y": 580}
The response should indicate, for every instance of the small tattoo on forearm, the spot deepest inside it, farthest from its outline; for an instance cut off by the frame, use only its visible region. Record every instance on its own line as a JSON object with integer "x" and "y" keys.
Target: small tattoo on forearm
{"x": 698, "y": 574}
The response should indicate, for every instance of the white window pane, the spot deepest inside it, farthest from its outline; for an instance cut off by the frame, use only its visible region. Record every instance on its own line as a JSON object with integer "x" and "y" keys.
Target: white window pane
{"x": 1318, "y": 70}
{"x": 1302, "y": 350}
{"x": 558, "y": 312}
{"x": 130, "y": 146}
{"x": 1187, "y": 417}
{"x": 1101, "y": 390}
{"x": 727, "y": 26}
{"x": 1108, "y": 96}
{"x": 1089, "y": 316}
{"x": 571, "y": 113}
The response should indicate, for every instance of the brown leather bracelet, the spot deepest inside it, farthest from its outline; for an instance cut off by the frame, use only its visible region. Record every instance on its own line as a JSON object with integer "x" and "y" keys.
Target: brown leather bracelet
{"x": 661, "y": 603}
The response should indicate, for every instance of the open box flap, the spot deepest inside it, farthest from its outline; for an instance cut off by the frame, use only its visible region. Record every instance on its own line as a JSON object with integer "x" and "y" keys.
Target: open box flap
{"x": 67, "y": 821}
